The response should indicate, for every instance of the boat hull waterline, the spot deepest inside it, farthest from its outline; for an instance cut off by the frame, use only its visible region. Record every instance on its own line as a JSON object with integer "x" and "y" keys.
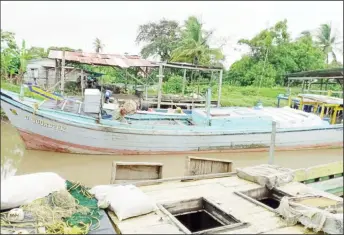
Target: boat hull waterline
{"x": 41, "y": 131}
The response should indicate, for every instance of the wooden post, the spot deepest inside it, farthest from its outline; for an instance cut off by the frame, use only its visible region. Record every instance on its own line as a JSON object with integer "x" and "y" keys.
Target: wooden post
{"x": 63, "y": 72}
{"x": 219, "y": 91}
{"x": 272, "y": 144}
{"x": 56, "y": 71}
{"x": 47, "y": 78}
{"x": 126, "y": 79}
{"x": 184, "y": 81}
{"x": 160, "y": 85}
{"x": 82, "y": 82}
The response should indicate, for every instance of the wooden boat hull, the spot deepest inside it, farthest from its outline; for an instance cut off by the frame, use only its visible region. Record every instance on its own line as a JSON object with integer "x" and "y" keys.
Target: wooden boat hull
{"x": 74, "y": 134}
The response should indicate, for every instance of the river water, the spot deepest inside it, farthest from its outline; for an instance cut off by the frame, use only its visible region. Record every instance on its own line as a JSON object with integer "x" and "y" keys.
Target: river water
{"x": 96, "y": 169}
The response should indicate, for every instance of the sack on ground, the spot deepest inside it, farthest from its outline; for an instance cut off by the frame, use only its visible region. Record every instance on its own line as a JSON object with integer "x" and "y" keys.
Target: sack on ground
{"x": 266, "y": 175}
{"x": 23, "y": 189}
{"x": 126, "y": 201}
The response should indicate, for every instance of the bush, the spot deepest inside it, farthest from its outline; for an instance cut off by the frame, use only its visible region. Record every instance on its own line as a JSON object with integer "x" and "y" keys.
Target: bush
{"x": 174, "y": 85}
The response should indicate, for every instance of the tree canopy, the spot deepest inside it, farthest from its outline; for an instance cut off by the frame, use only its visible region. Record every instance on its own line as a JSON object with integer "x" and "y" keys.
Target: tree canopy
{"x": 273, "y": 54}
{"x": 194, "y": 45}
{"x": 159, "y": 39}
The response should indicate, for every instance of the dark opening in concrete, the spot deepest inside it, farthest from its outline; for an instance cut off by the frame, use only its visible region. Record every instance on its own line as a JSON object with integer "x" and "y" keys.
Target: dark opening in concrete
{"x": 199, "y": 215}
{"x": 198, "y": 221}
{"x": 271, "y": 202}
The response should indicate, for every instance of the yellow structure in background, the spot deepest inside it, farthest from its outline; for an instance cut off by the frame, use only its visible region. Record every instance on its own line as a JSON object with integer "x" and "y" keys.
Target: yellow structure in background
{"x": 333, "y": 105}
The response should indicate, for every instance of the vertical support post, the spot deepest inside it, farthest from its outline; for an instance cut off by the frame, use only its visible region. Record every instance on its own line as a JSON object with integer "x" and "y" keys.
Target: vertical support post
{"x": 146, "y": 91}
{"x": 322, "y": 111}
{"x": 160, "y": 85}
{"x": 219, "y": 90}
{"x": 82, "y": 82}
{"x": 184, "y": 81}
{"x": 334, "y": 116}
{"x": 63, "y": 72}
{"x": 56, "y": 71}
{"x": 272, "y": 144}
{"x": 301, "y": 104}
{"x": 22, "y": 92}
{"x": 47, "y": 78}
{"x": 208, "y": 105}
{"x": 303, "y": 86}
{"x": 289, "y": 97}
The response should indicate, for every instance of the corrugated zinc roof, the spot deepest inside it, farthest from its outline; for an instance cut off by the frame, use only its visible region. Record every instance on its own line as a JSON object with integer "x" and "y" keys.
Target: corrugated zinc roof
{"x": 122, "y": 61}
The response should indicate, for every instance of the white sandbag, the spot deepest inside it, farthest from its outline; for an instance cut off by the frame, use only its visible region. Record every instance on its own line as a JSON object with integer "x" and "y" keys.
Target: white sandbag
{"x": 126, "y": 201}
{"x": 311, "y": 217}
{"x": 23, "y": 189}
{"x": 266, "y": 175}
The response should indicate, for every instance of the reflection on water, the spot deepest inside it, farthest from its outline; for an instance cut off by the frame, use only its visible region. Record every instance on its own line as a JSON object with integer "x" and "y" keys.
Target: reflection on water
{"x": 96, "y": 169}
{"x": 12, "y": 150}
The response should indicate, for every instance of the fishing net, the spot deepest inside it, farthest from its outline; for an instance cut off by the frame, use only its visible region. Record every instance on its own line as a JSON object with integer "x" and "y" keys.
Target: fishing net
{"x": 130, "y": 106}
{"x": 87, "y": 200}
{"x": 71, "y": 211}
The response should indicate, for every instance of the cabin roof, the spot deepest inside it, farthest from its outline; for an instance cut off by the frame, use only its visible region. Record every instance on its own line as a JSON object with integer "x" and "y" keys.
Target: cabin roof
{"x": 324, "y": 73}
{"x": 121, "y": 61}
{"x": 221, "y": 191}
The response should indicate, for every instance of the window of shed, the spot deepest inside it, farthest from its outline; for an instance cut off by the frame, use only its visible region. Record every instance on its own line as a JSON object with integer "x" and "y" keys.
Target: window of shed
{"x": 200, "y": 215}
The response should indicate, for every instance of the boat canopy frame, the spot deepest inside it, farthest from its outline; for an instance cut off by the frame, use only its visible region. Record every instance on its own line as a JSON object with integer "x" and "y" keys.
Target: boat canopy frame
{"x": 310, "y": 77}
{"x": 188, "y": 66}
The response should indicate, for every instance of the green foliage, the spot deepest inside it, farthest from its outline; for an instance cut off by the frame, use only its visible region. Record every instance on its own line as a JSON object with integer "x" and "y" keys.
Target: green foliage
{"x": 63, "y": 49}
{"x": 272, "y": 55}
{"x": 194, "y": 45}
{"x": 173, "y": 85}
{"x": 37, "y": 52}
{"x": 160, "y": 38}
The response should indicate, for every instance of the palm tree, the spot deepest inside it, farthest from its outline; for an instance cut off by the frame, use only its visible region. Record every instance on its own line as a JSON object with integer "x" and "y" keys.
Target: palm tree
{"x": 98, "y": 45}
{"x": 327, "y": 40}
{"x": 193, "y": 47}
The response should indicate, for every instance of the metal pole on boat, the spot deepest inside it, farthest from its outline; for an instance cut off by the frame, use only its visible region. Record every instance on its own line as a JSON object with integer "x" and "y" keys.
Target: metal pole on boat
{"x": 272, "y": 144}
{"x": 219, "y": 90}
{"x": 21, "y": 95}
{"x": 82, "y": 83}
{"x": 63, "y": 71}
{"x": 160, "y": 85}
{"x": 184, "y": 81}
{"x": 208, "y": 105}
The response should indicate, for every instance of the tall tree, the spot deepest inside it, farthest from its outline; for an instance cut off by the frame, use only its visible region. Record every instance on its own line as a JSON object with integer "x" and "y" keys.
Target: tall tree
{"x": 159, "y": 39}
{"x": 194, "y": 45}
{"x": 98, "y": 45}
{"x": 273, "y": 54}
{"x": 328, "y": 40}
{"x": 9, "y": 54}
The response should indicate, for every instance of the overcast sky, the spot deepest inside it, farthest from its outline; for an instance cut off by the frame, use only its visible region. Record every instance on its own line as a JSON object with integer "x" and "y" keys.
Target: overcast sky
{"x": 76, "y": 24}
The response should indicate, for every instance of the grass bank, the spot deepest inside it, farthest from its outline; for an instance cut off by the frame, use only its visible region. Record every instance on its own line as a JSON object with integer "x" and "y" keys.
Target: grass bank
{"x": 249, "y": 96}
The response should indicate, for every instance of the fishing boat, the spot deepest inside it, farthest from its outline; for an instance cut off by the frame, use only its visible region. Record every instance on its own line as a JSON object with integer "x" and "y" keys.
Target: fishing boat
{"x": 74, "y": 130}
